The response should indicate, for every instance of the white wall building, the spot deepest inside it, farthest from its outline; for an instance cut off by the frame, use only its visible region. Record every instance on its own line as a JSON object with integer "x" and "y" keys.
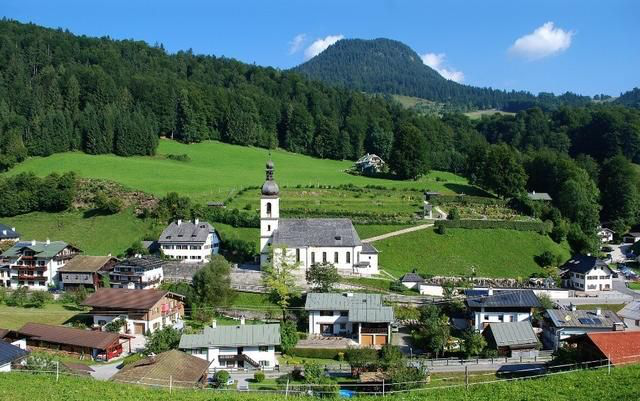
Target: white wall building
{"x": 587, "y": 273}
{"x": 12, "y": 354}
{"x": 489, "y": 306}
{"x": 311, "y": 241}
{"x": 605, "y": 234}
{"x": 189, "y": 242}
{"x": 631, "y": 315}
{"x": 34, "y": 264}
{"x": 239, "y": 346}
{"x": 560, "y": 325}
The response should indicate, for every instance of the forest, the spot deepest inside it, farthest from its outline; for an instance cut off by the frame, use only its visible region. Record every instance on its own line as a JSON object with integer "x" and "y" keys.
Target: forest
{"x": 62, "y": 92}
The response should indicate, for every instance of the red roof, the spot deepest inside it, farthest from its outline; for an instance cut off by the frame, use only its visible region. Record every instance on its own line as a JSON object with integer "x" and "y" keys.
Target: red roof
{"x": 621, "y": 347}
{"x": 69, "y": 336}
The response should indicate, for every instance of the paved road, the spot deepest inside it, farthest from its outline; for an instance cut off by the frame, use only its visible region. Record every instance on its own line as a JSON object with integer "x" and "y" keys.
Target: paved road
{"x": 620, "y": 286}
{"x": 399, "y": 232}
{"x": 105, "y": 371}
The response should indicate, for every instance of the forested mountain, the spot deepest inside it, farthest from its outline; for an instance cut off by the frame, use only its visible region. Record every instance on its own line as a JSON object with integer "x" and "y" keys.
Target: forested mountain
{"x": 630, "y": 98}
{"x": 391, "y": 67}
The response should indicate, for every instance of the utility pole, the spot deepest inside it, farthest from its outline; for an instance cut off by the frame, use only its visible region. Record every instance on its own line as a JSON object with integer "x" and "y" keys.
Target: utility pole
{"x": 170, "y": 383}
{"x": 286, "y": 391}
{"x": 383, "y": 387}
{"x": 466, "y": 377}
{"x": 57, "y": 370}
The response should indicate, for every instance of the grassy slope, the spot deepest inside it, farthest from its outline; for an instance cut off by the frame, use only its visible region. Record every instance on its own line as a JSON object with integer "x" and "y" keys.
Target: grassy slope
{"x": 98, "y": 235}
{"x": 476, "y": 115}
{"x": 15, "y": 317}
{"x": 217, "y": 169}
{"x": 494, "y": 253}
{"x": 621, "y": 384}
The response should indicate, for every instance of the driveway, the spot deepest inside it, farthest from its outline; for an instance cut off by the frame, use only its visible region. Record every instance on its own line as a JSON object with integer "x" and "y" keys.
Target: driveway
{"x": 105, "y": 371}
{"x": 242, "y": 380}
{"x": 620, "y": 285}
{"x": 402, "y": 339}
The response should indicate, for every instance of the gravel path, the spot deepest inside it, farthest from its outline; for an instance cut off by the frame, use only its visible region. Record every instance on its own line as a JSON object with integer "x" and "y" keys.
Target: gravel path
{"x": 399, "y": 232}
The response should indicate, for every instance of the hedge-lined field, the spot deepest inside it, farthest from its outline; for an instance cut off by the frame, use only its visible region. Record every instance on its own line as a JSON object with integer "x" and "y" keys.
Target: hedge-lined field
{"x": 493, "y": 252}
{"x": 621, "y": 384}
{"x": 215, "y": 170}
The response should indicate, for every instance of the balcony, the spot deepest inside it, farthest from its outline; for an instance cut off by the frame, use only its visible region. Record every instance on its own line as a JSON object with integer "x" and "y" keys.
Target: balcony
{"x": 374, "y": 330}
{"x": 31, "y": 278}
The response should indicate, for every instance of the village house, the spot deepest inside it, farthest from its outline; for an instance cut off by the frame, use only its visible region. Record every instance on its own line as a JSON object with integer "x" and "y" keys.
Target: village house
{"x": 587, "y": 273}
{"x": 140, "y": 273}
{"x": 370, "y": 164}
{"x": 618, "y": 348}
{"x": 631, "y": 237}
{"x": 96, "y": 345}
{"x": 362, "y": 318}
{"x": 559, "y": 325}
{"x": 411, "y": 280}
{"x": 189, "y": 242}
{"x": 500, "y": 306}
{"x": 10, "y": 356}
{"x": 310, "y": 241}
{"x": 241, "y": 346}
{"x": 172, "y": 367}
{"x": 631, "y": 315}
{"x": 605, "y": 234}
{"x": 8, "y": 234}
{"x": 35, "y": 264}
{"x": 85, "y": 271}
{"x": 513, "y": 339}
{"x": 142, "y": 311}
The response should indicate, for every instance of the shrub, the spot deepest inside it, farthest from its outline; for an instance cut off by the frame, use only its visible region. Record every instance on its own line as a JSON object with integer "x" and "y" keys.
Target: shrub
{"x": 258, "y": 377}
{"x": 115, "y": 325}
{"x": 107, "y": 204}
{"x": 454, "y": 214}
{"x": 39, "y": 298}
{"x": 397, "y": 286}
{"x": 221, "y": 377}
{"x": 18, "y": 297}
{"x": 289, "y": 336}
{"x": 179, "y": 158}
{"x": 132, "y": 358}
{"x": 441, "y": 229}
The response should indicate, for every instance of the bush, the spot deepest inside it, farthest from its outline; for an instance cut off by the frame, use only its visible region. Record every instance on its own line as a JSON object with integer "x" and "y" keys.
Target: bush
{"x": 18, "y": 297}
{"x": 39, "y": 298}
{"x": 258, "y": 377}
{"x": 441, "y": 229}
{"x": 221, "y": 377}
{"x": 397, "y": 286}
{"x": 537, "y": 226}
{"x": 115, "y": 325}
{"x": 179, "y": 158}
{"x": 454, "y": 214}
{"x": 319, "y": 353}
{"x": 107, "y": 204}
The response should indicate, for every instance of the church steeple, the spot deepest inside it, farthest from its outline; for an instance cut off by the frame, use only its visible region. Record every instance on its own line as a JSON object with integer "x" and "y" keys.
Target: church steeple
{"x": 269, "y": 212}
{"x": 270, "y": 187}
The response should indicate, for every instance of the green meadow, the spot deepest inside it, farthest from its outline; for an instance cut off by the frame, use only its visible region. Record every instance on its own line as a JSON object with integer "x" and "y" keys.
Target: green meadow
{"x": 216, "y": 170}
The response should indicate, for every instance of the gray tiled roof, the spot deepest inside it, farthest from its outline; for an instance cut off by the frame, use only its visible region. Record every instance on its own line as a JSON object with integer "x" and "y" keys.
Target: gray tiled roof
{"x": 10, "y": 353}
{"x": 584, "y": 264}
{"x": 368, "y": 248}
{"x": 513, "y": 333}
{"x": 583, "y": 318}
{"x": 7, "y": 232}
{"x": 412, "y": 278}
{"x": 315, "y": 232}
{"x": 242, "y": 335}
{"x": 506, "y": 299}
{"x": 630, "y": 311}
{"x": 145, "y": 262}
{"x": 186, "y": 231}
{"x": 539, "y": 196}
{"x": 361, "y": 307}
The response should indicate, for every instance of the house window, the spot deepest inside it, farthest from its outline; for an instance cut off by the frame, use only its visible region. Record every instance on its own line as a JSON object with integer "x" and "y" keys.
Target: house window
{"x": 313, "y": 258}
{"x": 269, "y": 210}
{"x": 638, "y": 323}
{"x": 486, "y": 317}
{"x": 326, "y": 313}
{"x": 264, "y": 364}
{"x": 344, "y": 313}
{"x": 348, "y": 257}
{"x": 501, "y": 318}
{"x": 263, "y": 348}
{"x": 297, "y": 254}
{"x": 343, "y": 326}
{"x": 269, "y": 227}
{"x": 324, "y": 257}
{"x": 335, "y": 257}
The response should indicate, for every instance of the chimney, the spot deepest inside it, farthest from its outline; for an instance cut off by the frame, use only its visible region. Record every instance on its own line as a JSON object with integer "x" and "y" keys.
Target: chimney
{"x": 48, "y": 241}
{"x": 179, "y": 221}
{"x": 33, "y": 242}
{"x": 618, "y": 326}
{"x": 242, "y": 320}
{"x": 197, "y": 221}
{"x": 490, "y": 291}
{"x": 598, "y": 311}
{"x": 214, "y": 323}
{"x": 572, "y": 307}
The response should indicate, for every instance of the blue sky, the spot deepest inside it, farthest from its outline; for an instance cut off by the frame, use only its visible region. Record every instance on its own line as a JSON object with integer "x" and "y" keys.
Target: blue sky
{"x": 590, "y": 46}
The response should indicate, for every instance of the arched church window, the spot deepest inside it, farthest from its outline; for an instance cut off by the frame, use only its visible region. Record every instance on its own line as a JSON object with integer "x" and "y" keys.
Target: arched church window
{"x": 269, "y": 209}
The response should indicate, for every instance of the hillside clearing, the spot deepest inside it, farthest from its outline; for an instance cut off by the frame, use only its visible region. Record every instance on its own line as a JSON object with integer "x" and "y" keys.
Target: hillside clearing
{"x": 216, "y": 170}
{"x": 493, "y": 252}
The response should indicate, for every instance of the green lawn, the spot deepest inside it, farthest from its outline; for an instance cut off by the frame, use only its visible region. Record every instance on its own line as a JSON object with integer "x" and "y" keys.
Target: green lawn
{"x": 611, "y": 307}
{"x": 54, "y": 313}
{"x": 493, "y": 253}
{"x": 634, "y": 285}
{"x": 620, "y": 384}
{"x": 245, "y": 233}
{"x": 253, "y": 300}
{"x": 373, "y": 230}
{"x": 98, "y": 235}
{"x": 217, "y": 169}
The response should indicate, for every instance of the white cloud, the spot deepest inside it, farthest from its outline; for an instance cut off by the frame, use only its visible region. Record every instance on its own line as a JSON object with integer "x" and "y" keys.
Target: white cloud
{"x": 320, "y": 45}
{"x": 436, "y": 61}
{"x": 545, "y": 41}
{"x": 297, "y": 42}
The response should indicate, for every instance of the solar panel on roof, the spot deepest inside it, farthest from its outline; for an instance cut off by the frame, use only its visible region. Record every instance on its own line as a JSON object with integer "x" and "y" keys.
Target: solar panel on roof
{"x": 585, "y": 320}
{"x": 596, "y": 320}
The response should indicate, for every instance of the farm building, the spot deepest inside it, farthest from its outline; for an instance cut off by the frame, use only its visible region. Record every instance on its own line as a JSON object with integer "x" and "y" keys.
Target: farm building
{"x": 171, "y": 367}
{"x": 85, "y": 271}
{"x": 512, "y": 339}
{"x": 189, "y": 242}
{"x": 370, "y": 164}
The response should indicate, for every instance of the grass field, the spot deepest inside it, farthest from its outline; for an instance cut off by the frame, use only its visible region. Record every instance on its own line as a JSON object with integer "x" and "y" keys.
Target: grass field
{"x": 493, "y": 253}
{"x": 217, "y": 170}
{"x": 634, "y": 285}
{"x": 54, "y": 313}
{"x": 475, "y": 115}
{"x": 97, "y": 235}
{"x": 621, "y": 384}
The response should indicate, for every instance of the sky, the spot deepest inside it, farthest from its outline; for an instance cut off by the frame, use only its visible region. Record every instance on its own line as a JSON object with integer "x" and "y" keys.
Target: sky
{"x": 583, "y": 46}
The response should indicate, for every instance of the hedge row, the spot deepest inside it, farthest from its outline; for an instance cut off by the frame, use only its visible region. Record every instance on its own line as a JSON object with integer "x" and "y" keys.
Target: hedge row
{"x": 321, "y": 353}
{"x": 537, "y": 226}
{"x": 358, "y": 217}
{"x": 466, "y": 200}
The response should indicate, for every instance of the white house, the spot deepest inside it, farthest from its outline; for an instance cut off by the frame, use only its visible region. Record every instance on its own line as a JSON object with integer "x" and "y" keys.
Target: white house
{"x": 137, "y": 273}
{"x": 491, "y": 306}
{"x": 11, "y": 354}
{"x": 241, "y": 346}
{"x": 370, "y": 164}
{"x": 361, "y": 317}
{"x": 560, "y": 325}
{"x": 631, "y": 237}
{"x": 412, "y": 280}
{"x": 34, "y": 264}
{"x": 587, "y": 273}
{"x": 631, "y": 315}
{"x": 8, "y": 234}
{"x": 142, "y": 311}
{"x": 605, "y": 234}
{"x": 310, "y": 241}
{"x": 189, "y": 242}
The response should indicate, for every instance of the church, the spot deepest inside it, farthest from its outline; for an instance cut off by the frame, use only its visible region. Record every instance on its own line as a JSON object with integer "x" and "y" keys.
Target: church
{"x": 310, "y": 241}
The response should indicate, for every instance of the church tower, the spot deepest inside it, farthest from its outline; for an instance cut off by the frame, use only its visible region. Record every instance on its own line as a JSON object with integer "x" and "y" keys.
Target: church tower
{"x": 269, "y": 212}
